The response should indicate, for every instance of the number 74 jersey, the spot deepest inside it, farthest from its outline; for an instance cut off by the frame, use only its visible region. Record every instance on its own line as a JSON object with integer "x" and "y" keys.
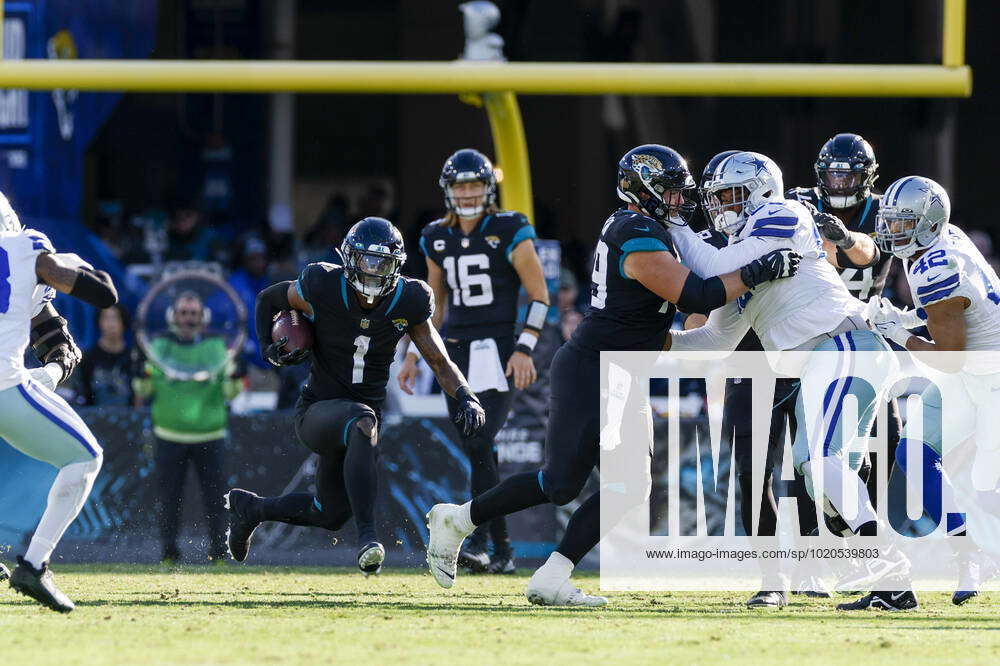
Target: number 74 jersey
{"x": 954, "y": 267}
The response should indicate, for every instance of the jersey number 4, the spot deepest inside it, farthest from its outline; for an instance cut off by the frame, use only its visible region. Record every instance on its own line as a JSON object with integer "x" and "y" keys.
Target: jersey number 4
{"x": 463, "y": 282}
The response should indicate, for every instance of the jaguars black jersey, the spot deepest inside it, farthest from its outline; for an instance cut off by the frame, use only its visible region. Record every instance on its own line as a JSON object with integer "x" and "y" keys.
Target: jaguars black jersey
{"x": 482, "y": 283}
{"x": 623, "y": 314}
{"x": 354, "y": 346}
{"x": 863, "y": 283}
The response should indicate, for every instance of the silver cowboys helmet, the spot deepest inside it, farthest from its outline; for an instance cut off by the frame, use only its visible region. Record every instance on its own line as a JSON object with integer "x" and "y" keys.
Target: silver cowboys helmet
{"x": 912, "y": 216}
{"x": 740, "y": 184}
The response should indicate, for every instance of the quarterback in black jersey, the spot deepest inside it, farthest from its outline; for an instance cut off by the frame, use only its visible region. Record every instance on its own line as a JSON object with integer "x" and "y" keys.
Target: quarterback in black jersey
{"x": 478, "y": 258}
{"x": 635, "y": 285}
{"x": 359, "y": 311}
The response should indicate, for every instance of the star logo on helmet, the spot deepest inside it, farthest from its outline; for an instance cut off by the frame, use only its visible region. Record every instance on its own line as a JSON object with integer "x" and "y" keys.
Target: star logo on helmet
{"x": 758, "y": 165}
{"x": 934, "y": 198}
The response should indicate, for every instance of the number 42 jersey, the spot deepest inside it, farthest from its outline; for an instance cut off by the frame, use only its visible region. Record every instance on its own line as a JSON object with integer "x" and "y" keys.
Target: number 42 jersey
{"x": 953, "y": 267}
{"x": 482, "y": 282}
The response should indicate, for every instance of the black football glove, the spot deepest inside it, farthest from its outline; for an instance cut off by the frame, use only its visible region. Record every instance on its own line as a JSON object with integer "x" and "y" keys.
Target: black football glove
{"x": 832, "y": 229}
{"x": 774, "y": 265}
{"x": 470, "y": 415}
{"x": 276, "y": 357}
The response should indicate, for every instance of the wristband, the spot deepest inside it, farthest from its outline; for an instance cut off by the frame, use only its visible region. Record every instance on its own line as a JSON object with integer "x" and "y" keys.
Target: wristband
{"x": 526, "y": 343}
{"x": 537, "y": 312}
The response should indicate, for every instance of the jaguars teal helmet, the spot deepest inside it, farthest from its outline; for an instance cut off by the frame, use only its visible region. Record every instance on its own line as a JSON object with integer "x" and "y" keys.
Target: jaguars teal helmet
{"x": 373, "y": 254}
{"x": 845, "y": 170}
{"x": 468, "y": 165}
{"x": 912, "y": 216}
{"x": 657, "y": 180}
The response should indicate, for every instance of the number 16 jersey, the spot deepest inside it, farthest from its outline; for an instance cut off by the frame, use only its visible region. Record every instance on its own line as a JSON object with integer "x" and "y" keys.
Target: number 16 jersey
{"x": 482, "y": 283}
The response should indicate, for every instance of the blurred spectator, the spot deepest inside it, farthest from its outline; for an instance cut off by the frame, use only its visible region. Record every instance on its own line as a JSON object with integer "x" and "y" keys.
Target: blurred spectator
{"x": 190, "y": 419}
{"x": 569, "y": 314}
{"x": 188, "y": 239}
{"x": 376, "y": 202}
{"x": 105, "y": 373}
{"x": 328, "y": 231}
{"x": 248, "y": 280}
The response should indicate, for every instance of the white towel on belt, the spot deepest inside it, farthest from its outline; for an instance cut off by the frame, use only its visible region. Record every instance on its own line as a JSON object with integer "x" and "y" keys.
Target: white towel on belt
{"x": 485, "y": 369}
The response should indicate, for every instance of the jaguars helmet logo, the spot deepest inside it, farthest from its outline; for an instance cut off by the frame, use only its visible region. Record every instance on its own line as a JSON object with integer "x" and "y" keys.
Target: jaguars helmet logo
{"x": 493, "y": 241}
{"x": 400, "y": 324}
{"x": 650, "y": 161}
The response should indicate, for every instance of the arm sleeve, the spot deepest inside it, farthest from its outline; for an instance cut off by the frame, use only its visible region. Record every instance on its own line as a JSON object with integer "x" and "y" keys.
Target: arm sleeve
{"x": 722, "y": 332}
{"x": 707, "y": 261}
{"x": 270, "y": 301}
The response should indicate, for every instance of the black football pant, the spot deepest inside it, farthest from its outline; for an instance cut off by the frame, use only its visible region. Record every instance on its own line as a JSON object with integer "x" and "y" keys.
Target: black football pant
{"x": 171, "y": 459}
{"x": 344, "y": 434}
{"x": 481, "y": 447}
{"x": 572, "y": 450}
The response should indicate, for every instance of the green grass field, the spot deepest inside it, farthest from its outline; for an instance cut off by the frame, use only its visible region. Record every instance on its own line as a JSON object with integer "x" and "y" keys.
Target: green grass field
{"x": 243, "y": 615}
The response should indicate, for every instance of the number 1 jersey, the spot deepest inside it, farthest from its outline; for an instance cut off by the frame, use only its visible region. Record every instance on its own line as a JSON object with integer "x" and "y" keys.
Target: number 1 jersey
{"x": 354, "y": 347}
{"x": 482, "y": 283}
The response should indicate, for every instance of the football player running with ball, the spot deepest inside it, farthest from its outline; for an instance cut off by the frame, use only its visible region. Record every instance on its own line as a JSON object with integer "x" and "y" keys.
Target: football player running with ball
{"x": 359, "y": 311}
{"x": 477, "y": 260}
{"x": 636, "y": 282}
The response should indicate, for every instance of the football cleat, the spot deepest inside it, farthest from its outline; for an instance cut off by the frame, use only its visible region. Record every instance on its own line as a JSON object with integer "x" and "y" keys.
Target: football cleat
{"x": 370, "y": 558}
{"x": 4, "y": 572}
{"x": 768, "y": 599}
{"x": 39, "y": 584}
{"x": 503, "y": 565}
{"x": 890, "y": 601}
{"x": 474, "y": 558}
{"x": 968, "y": 582}
{"x": 812, "y": 586}
{"x": 444, "y": 542}
{"x": 242, "y": 522}
{"x": 544, "y": 590}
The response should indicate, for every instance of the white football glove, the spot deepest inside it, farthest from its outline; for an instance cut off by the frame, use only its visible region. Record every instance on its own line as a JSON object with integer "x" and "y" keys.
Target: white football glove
{"x": 893, "y": 330}
{"x": 881, "y": 310}
{"x": 48, "y": 375}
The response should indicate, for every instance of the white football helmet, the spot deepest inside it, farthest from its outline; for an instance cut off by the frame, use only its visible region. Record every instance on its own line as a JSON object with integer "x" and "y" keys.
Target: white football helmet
{"x": 741, "y": 183}
{"x": 8, "y": 218}
{"x": 912, "y": 216}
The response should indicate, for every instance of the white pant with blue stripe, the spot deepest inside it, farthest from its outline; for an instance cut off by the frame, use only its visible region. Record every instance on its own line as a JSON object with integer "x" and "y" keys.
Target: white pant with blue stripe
{"x": 40, "y": 424}
{"x": 847, "y": 374}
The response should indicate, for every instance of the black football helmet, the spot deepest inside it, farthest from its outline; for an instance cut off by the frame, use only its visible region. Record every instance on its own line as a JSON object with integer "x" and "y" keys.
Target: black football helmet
{"x": 373, "y": 256}
{"x": 468, "y": 165}
{"x": 649, "y": 173}
{"x": 706, "y": 175}
{"x": 845, "y": 170}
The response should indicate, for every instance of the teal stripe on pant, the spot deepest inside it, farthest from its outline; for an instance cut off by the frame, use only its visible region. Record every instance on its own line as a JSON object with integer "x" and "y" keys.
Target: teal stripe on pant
{"x": 40, "y": 424}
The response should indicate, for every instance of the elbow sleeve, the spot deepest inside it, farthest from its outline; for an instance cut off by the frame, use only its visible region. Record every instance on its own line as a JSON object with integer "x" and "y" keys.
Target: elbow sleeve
{"x": 270, "y": 301}
{"x": 94, "y": 287}
{"x": 845, "y": 262}
{"x": 701, "y": 295}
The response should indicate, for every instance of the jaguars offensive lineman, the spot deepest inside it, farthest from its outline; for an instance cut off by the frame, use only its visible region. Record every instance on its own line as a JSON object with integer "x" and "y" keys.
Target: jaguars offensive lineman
{"x": 958, "y": 297}
{"x": 635, "y": 284}
{"x": 359, "y": 311}
{"x": 477, "y": 260}
{"x": 33, "y": 418}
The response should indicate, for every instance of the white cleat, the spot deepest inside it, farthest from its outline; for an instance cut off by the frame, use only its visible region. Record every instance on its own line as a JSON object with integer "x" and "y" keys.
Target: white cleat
{"x": 544, "y": 590}
{"x": 444, "y": 542}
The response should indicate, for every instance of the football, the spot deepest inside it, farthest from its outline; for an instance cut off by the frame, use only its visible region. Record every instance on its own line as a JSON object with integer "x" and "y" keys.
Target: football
{"x": 293, "y": 325}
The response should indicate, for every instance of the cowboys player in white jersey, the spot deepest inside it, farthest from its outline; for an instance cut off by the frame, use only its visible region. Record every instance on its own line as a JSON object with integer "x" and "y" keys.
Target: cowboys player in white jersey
{"x": 811, "y": 311}
{"x": 957, "y": 294}
{"x": 33, "y": 418}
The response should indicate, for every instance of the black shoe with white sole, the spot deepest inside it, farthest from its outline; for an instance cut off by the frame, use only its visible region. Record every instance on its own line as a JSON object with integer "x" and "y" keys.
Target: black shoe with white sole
{"x": 890, "y": 601}
{"x": 4, "y": 573}
{"x": 40, "y": 585}
{"x": 768, "y": 599}
{"x": 370, "y": 558}
{"x": 502, "y": 565}
{"x": 474, "y": 558}
{"x": 243, "y": 520}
